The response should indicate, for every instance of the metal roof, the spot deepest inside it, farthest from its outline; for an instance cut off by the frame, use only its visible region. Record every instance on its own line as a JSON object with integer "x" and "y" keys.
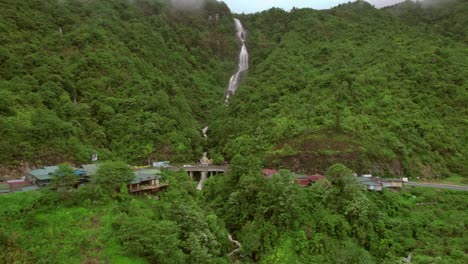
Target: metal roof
{"x": 367, "y": 181}
{"x": 90, "y": 169}
{"x": 144, "y": 177}
{"x": 149, "y": 171}
{"x": 44, "y": 173}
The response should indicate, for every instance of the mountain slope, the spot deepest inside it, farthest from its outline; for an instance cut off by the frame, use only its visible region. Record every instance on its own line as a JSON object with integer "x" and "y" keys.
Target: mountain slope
{"x": 352, "y": 84}
{"x": 446, "y": 17}
{"x": 131, "y": 80}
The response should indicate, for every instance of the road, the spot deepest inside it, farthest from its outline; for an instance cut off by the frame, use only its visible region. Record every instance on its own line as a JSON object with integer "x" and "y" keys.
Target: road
{"x": 438, "y": 185}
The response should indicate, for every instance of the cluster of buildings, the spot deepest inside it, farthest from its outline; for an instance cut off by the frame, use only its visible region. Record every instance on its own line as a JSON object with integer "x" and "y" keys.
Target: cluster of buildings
{"x": 146, "y": 180}
{"x": 149, "y": 180}
{"x": 377, "y": 184}
{"x": 370, "y": 182}
{"x": 41, "y": 177}
{"x": 16, "y": 185}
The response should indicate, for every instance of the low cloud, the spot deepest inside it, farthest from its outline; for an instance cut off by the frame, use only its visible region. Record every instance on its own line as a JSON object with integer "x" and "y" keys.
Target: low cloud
{"x": 187, "y": 4}
{"x": 383, "y": 3}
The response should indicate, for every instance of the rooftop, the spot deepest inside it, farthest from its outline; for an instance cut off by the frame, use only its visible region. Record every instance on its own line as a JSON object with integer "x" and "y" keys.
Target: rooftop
{"x": 367, "y": 181}
{"x": 89, "y": 169}
{"x": 315, "y": 177}
{"x": 4, "y": 187}
{"x": 44, "y": 173}
{"x": 146, "y": 175}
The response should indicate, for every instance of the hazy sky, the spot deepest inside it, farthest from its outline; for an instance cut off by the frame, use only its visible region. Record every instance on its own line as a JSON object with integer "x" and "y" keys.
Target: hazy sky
{"x": 251, "y": 6}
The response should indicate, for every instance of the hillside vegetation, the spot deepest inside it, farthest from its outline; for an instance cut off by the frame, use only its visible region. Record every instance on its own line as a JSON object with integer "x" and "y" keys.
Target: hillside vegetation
{"x": 383, "y": 91}
{"x": 357, "y": 85}
{"x": 131, "y": 80}
{"x": 275, "y": 220}
{"x": 348, "y": 90}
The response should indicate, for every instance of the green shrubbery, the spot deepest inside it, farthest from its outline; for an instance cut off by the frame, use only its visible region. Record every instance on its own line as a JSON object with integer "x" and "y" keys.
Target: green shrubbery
{"x": 130, "y": 80}
{"x": 333, "y": 221}
{"x": 392, "y": 88}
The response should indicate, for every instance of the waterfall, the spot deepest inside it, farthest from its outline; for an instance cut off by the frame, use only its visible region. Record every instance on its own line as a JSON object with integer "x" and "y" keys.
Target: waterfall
{"x": 204, "y": 175}
{"x": 204, "y": 130}
{"x": 243, "y": 62}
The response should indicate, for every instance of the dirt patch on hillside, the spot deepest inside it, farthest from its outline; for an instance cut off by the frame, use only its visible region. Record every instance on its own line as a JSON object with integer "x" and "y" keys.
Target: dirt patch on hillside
{"x": 8, "y": 172}
{"x": 315, "y": 153}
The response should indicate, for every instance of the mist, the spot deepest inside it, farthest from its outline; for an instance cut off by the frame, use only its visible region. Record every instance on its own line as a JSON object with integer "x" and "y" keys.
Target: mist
{"x": 187, "y": 4}
{"x": 428, "y": 3}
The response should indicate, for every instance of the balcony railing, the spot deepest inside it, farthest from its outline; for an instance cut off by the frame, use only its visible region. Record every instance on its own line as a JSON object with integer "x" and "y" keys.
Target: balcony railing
{"x": 147, "y": 187}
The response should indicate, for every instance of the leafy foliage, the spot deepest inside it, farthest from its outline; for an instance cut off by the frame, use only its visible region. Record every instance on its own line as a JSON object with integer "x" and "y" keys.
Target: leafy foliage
{"x": 355, "y": 85}
{"x": 379, "y": 91}
{"x": 131, "y": 80}
{"x": 111, "y": 175}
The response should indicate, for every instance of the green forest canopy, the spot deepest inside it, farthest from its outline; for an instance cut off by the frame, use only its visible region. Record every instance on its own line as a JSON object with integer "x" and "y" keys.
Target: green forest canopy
{"x": 383, "y": 91}
{"x": 363, "y": 86}
{"x": 134, "y": 80}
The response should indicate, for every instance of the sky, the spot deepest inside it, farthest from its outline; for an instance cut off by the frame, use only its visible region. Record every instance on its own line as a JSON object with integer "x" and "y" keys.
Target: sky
{"x": 252, "y": 6}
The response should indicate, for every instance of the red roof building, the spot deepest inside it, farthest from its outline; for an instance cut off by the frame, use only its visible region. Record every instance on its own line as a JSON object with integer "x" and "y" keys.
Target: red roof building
{"x": 303, "y": 181}
{"x": 308, "y": 180}
{"x": 315, "y": 177}
{"x": 18, "y": 184}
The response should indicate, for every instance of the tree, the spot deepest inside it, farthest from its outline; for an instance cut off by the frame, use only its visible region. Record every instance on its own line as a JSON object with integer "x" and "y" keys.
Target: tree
{"x": 338, "y": 174}
{"x": 156, "y": 241}
{"x": 64, "y": 179}
{"x": 111, "y": 175}
{"x": 346, "y": 195}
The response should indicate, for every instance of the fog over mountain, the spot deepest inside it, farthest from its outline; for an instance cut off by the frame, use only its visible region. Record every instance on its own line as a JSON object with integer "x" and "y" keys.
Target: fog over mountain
{"x": 187, "y": 4}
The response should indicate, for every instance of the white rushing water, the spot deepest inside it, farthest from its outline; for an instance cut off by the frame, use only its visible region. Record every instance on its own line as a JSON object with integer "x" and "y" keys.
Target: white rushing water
{"x": 243, "y": 62}
{"x": 204, "y": 130}
{"x": 235, "y": 242}
{"x": 204, "y": 175}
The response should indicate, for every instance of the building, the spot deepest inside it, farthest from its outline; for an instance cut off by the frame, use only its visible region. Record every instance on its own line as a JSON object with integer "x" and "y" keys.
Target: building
{"x": 371, "y": 183}
{"x": 15, "y": 185}
{"x": 161, "y": 164}
{"x": 41, "y": 177}
{"x": 4, "y": 187}
{"x": 89, "y": 171}
{"x": 392, "y": 183}
{"x": 308, "y": 180}
{"x": 147, "y": 181}
{"x": 377, "y": 184}
{"x": 18, "y": 184}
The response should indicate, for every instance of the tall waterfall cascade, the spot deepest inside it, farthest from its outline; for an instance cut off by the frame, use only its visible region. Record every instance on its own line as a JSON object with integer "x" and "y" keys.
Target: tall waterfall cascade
{"x": 243, "y": 62}
{"x": 233, "y": 84}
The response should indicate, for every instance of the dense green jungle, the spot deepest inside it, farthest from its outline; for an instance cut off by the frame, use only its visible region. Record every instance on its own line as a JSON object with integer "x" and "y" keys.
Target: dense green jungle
{"x": 352, "y": 89}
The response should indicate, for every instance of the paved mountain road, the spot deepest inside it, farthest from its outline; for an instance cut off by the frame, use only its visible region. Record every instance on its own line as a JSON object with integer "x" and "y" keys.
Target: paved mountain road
{"x": 438, "y": 185}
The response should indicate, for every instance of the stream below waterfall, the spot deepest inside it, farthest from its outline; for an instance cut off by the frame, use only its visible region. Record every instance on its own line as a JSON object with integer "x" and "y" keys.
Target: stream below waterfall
{"x": 204, "y": 176}
{"x": 233, "y": 85}
{"x": 235, "y": 242}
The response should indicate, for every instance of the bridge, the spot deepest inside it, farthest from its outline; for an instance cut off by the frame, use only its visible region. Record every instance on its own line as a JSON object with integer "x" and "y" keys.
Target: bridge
{"x": 195, "y": 170}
